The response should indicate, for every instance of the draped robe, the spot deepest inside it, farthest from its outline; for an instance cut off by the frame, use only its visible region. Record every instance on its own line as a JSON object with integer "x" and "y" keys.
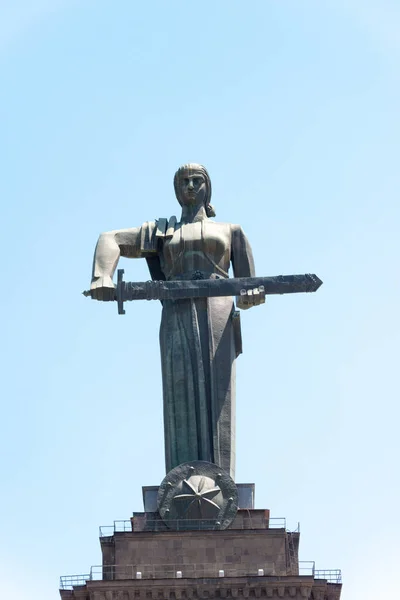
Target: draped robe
{"x": 198, "y": 337}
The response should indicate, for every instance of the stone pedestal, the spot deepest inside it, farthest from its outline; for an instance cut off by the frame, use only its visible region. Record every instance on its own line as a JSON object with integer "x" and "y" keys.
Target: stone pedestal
{"x": 249, "y": 559}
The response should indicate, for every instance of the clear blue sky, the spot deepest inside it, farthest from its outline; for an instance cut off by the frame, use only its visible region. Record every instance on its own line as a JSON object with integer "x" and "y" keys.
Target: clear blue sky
{"x": 293, "y": 106}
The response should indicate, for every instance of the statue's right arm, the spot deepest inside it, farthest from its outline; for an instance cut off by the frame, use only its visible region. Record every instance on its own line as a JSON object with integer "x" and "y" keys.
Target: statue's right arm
{"x": 110, "y": 246}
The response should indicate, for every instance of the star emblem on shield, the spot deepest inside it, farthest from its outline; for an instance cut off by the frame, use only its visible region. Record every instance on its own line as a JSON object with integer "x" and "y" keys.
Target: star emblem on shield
{"x": 199, "y": 498}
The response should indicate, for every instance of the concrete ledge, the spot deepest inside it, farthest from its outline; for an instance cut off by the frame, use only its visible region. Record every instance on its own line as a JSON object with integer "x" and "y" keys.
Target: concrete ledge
{"x": 299, "y": 588}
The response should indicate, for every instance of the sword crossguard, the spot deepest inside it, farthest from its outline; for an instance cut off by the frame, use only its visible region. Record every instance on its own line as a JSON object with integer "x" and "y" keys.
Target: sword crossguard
{"x": 120, "y": 291}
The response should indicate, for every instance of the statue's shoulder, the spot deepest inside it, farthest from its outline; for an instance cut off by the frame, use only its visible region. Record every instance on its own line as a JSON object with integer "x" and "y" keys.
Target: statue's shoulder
{"x": 221, "y": 224}
{"x": 229, "y": 228}
{"x": 153, "y": 232}
{"x": 165, "y": 227}
{"x": 161, "y": 225}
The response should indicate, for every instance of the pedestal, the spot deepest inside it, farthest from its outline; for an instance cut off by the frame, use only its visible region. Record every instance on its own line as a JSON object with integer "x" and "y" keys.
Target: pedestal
{"x": 255, "y": 557}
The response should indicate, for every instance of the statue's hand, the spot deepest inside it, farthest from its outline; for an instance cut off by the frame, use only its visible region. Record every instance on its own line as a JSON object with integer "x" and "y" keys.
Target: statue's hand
{"x": 250, "y": 298}
{"x": 102, "y": 288}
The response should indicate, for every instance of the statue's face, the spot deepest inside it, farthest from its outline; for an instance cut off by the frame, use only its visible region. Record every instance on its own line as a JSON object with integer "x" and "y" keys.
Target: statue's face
{"x": 192, "y": 188}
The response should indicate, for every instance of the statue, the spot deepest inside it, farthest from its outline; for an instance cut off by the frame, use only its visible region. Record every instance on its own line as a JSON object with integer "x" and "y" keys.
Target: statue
{"x": 199, "y": 337}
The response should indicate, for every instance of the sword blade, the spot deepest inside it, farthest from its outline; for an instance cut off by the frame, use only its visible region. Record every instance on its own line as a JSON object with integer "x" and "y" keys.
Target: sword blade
{"x": 207, "y": 288}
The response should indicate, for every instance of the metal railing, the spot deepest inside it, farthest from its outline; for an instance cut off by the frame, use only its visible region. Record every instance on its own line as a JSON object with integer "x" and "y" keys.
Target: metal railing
{"x": 166, "y": 571}
{"x": 179, "y": 570}
{"x": 331, "y": 576}
{"x": 67, "y": 582}
{"x": 306, "y": 567}
{"x": 191, "y": 525}
{"x": 193, "y": 571}
{"x": 109, "y": 530}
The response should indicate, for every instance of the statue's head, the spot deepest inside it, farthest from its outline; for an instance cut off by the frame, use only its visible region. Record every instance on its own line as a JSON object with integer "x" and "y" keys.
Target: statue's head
{"x": 192, "y": 186}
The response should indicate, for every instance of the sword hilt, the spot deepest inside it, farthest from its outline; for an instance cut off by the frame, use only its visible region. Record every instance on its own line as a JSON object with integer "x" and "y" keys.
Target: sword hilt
{"x": 119, "y": 292}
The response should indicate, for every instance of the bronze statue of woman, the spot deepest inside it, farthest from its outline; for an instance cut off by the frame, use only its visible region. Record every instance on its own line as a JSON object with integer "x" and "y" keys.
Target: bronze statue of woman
{"x": 199, "y": 338}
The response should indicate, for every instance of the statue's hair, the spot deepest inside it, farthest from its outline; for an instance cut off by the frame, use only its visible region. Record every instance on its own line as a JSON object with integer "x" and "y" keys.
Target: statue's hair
{"x": 195, "y": 167}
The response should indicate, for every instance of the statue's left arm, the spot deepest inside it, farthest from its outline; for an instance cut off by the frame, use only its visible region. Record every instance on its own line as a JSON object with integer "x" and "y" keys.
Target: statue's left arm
{"x": 243, "y": 266}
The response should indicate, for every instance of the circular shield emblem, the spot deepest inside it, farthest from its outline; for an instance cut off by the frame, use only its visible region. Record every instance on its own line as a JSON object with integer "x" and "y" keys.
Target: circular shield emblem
{"x": 197, "y": 495}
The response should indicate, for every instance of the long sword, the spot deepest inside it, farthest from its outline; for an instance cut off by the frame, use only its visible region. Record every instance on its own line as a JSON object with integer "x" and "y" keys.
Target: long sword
{"x": 206, "y": 288}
